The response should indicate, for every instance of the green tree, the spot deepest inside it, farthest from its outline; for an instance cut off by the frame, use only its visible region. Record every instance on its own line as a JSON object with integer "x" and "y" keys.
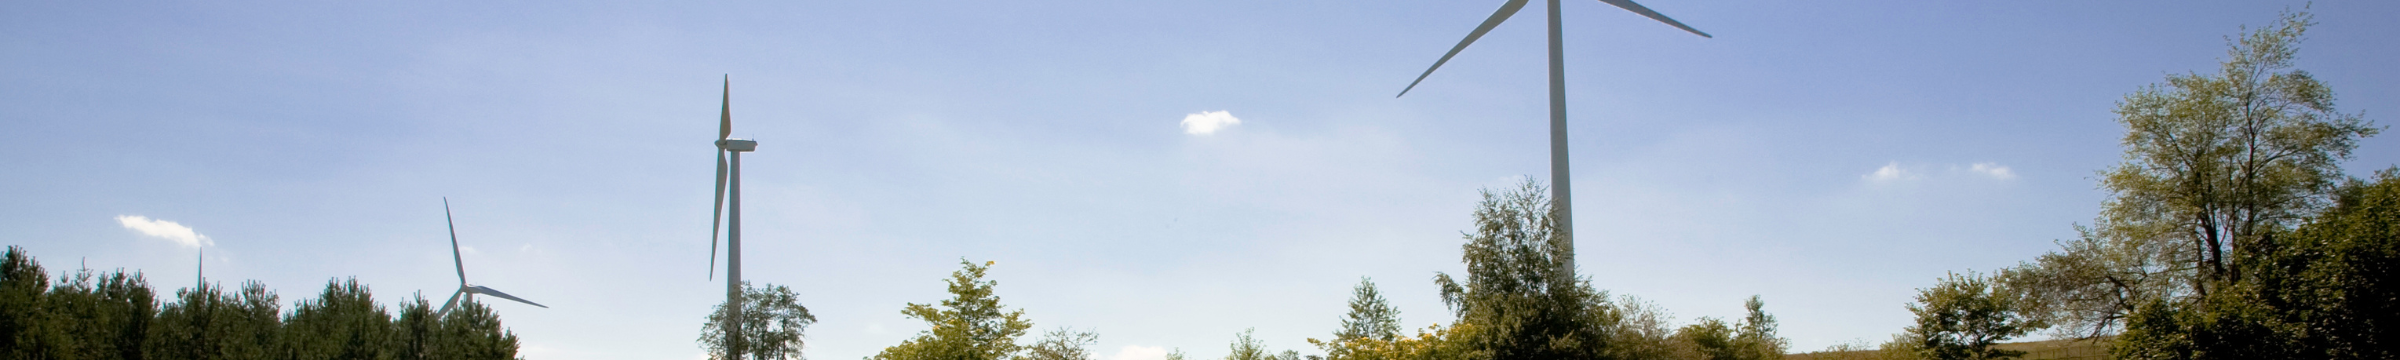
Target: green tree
{"x": 2213, "y": 162}
{"x": 1963, "y": 316}
{"x": 2334, "y": 282}
{"x": 971, "y": 325}
{"x": 103, "y": 316}
{"x": 772, "y": 323}
{"x": 1062, "y": 344}
{"x": 1521, "y": 302}
{"x": 1370, "y": 316}
{"x": 25, "y": 331}
{"x": 1756, "y": 339}
{"x": 473, "y": 331}
{"x": 1710, "y": 338}
{"x": 209, "y": 323}
{"x": 1245, "y": 347}
{"x": 343, "y": 322}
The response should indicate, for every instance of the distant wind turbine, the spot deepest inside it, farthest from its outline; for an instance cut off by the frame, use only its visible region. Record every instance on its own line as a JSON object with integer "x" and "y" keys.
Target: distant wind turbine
{"x": 731, "y": 215}
{"x": 1562, "y": 213}
{"x": 465, "y": 290}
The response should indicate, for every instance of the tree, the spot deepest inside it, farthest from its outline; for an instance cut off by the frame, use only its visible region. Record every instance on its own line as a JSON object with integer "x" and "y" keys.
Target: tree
{"x": 473, "y": 331}
{"x": 772, "y": 323}
{"x": 209, "y": 323}
{"x": 1522, "y": 302}
{"x": 1963, "y": 316}
{"x": 2334, "y": 282}
{"x": 971, "y": 325}
{"x": 1062, "y": 344}
{"x": 1370, "y": 316}
{"x": 24, "y": 326}
{"x": 1710, "y": 338}
{"x": 343, "y": 322}
{"x": 1245, "y": 347}
{"x": 2213, "y": 162}
{"x": 1757, "y": 339}
{"x": 103, "y": 316}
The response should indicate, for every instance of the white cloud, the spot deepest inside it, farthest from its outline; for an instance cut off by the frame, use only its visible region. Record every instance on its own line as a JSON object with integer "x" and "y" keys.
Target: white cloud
{"x": 1132, "y": 352}
{"x": 181, "y": 235}
{"x": 1208, "y": 122}
{"x": 1888, "y": 172}
{"x": 1994, "y": 170}
{"x": 470, "y": 250}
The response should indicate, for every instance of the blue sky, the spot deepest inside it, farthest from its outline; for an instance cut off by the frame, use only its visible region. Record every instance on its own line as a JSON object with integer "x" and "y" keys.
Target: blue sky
{"x": 1830, "y": 157}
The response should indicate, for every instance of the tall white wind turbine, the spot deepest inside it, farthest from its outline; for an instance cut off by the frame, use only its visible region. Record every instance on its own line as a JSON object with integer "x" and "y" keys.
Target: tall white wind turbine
{"x": 1562, "y": 213}
{"x": 465, "y": 290}
{"x": 730, "y": 213}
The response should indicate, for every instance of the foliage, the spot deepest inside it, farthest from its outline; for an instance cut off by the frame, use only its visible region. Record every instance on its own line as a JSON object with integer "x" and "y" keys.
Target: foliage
{"x": 88, "y": 315}
{"x": 772, "y": 323}
{"x": 1245, "y": 347}
{"x": 1520, "y": 299}
{"x": 1370, "y": 316}
{"x": 1709, "y": 338}
{"x": 1963, "y": 316}
{"x": 1062, "y": 344}
{"x": 24, "y": 333}
{"x": 2323, "y": 290}
{"x": 1642, "y": 332}
{"x": 209, "y": 323}
{"x": 1757, "y": 339}
{"x": 1432, "y": 343}
{"x": 343, "y": 322}
{"x": 2213, "y": 163}
{"x": 971, "y": 325}
{"x": 2336, "y": 279}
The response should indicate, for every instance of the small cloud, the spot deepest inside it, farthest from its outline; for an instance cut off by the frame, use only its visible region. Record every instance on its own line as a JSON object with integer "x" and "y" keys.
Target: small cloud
{"x": 181, "y": 235}
{"x": 1132, "y": 352}
{"x": 1208, "y": 122}
{"x": 1888, "y": 172}
{"x": 1994, "y": 170}
{"x": 525, "y": 249}
{"x": 470, "y": 250}
{"x": 874, "y": 328}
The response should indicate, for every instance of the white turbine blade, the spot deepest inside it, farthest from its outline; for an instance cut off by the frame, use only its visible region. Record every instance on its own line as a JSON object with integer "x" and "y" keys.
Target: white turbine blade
{"x": 461, "y": 263}
{"x": 718, "y": 217}
{"x": 725, "y": 114}
{"x": 1628, "y": 5}
{"x": 1506, "y": 10}
{"x": 489, "y": 291}
{"x": 462, "y": 291}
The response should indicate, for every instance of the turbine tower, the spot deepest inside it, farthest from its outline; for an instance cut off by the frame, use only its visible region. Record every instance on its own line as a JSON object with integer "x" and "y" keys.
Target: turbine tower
{"x": 1561, "y": 211}
{"x": 465, "y": 290}
{"x": 731, "y": 216}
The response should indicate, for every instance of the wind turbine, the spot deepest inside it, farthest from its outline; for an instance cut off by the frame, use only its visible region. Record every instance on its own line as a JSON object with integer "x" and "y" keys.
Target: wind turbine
{"x": 1562, "y": 213}
{"x": 465, "y": 290}
{"x": 731, "y": 215}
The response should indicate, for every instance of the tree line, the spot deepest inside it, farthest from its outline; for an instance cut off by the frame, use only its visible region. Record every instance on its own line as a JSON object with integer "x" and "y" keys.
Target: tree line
{"x": 116, "y": 315}
{"x": 1514, "y": 302}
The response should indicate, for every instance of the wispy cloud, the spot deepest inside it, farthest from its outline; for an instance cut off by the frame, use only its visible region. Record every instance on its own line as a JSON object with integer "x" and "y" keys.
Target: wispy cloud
{"x": 182, "y": 235}
{"x": 1134, "y": 352}
{"x": 1208, "y": 122}
{"x": 1993, "y": 170}
{"x": 1888, "y": 172}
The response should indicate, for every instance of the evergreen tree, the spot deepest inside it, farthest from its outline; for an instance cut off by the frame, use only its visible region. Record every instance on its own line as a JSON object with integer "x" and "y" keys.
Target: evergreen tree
{"x": 343, "y": 322}
{"x": 1370, "y": 316}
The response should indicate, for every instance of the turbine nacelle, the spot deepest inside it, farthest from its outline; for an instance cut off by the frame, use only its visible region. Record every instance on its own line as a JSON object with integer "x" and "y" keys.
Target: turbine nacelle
{"x": 738, "y": 145}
